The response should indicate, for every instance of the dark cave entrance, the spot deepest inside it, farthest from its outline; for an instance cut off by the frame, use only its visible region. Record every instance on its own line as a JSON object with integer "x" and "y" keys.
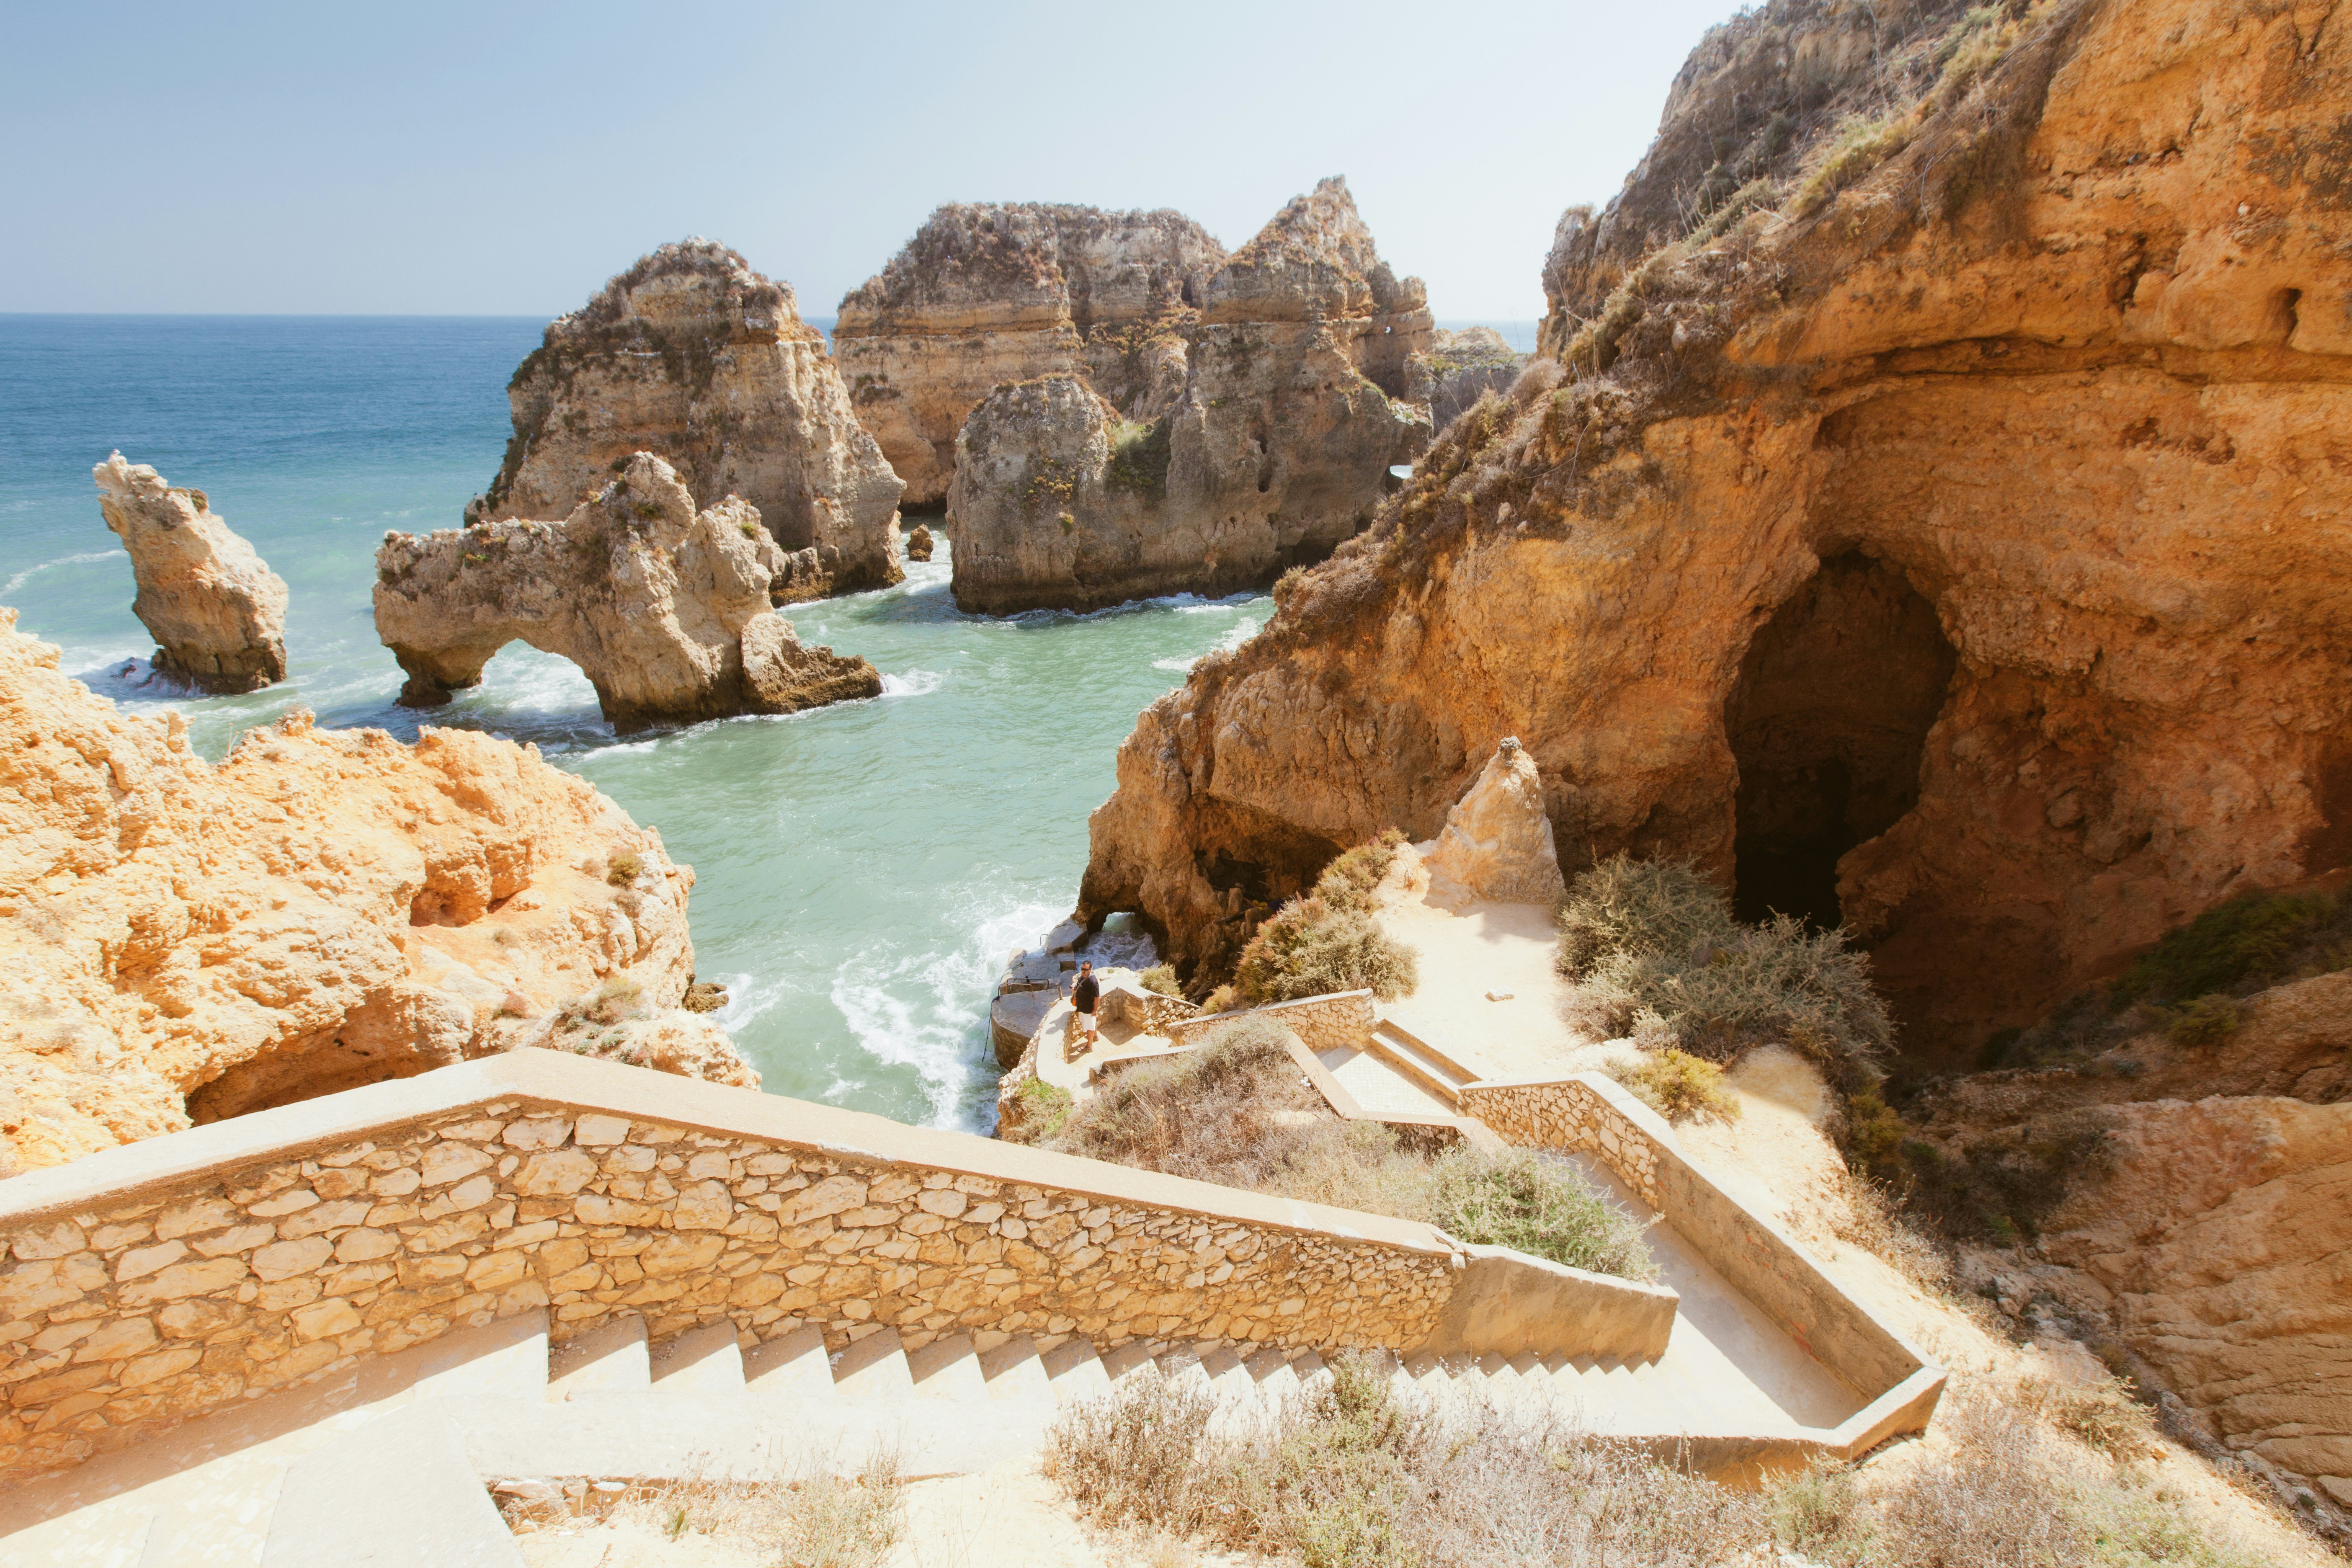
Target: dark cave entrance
{"x": 1828, "y": 723}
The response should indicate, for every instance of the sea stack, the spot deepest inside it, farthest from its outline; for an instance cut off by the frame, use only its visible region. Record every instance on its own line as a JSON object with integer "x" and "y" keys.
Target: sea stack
{"x": 662, "y": 607}
{"x": 694, "y": 356}
{"x": 987, "y": 293}
{"x": 215, "y": 609}
{"x": 1227, "y": 446}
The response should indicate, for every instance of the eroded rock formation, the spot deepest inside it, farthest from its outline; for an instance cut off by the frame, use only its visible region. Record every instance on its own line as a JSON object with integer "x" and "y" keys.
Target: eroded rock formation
{"x": 1497, "y": 842}
{"x": 323, "y": 910}
{"x": 1459, "y": 368}
{"x": 993, "y": 292}
{"x": 1941, "y": 544}
{"x": 918, "y": 543}
{"x": 692, "y": 355}
{"x": 1260, "y": 436}
{"x": 215, "y": 609}
{"x": 662, "y": 607}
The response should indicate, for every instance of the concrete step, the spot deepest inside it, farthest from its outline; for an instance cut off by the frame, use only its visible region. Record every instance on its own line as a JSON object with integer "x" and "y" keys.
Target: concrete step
{"x": 612, "y": 1356}
{"x": 794, "y": 1364}
{"x": 1418, "y": 1062}
{"x": 873, "y": 1368}
{"x": 397, "y": 1493}
{"x": 700, "y": 1361}
{"x": 1075, "y": 1372}
{"x": 948, "y": 1369}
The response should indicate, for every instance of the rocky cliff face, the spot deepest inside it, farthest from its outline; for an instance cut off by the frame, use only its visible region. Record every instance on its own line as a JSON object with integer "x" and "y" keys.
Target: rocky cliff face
{"x": 663, "y": 608}
{"x": 693, "y": 355}
{"x": 995, "y": 292}
{"x": 1940, "y": 544}
{"x": 216, "y": 608}
{"x": 2196, "y": 1209}
{"x": 1459, "y": 368}
{"x": 1240, "y": 441}
{"x": 325, "y": 909}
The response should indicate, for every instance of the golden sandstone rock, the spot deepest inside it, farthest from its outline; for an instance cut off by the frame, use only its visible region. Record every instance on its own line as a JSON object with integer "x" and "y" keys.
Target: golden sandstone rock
{"x": 1949, "y": 550}
{"x": 215, "y": 608}
{"x": 325, "y": 909}
{"x": 694, "y": 356}
{"x": 663, "y": 608}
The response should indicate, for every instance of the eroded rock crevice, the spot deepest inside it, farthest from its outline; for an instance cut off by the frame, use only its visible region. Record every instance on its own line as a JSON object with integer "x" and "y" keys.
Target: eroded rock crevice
{"x": 1828, "y": 724}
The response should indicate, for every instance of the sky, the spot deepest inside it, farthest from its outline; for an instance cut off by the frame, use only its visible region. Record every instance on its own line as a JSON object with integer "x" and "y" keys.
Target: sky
{"x": 487, "y": 159}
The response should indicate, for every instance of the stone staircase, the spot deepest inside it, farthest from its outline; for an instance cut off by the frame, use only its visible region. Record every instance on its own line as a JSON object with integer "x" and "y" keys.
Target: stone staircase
{"x": 1435, "y": 1071}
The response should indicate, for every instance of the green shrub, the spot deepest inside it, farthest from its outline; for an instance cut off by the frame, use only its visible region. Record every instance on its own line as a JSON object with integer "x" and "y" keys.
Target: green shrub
{"x": 1347, "y": 883}
{"x": 2249, "y": 941}
{"x": 624, "y": 869}
{"x": 1860, "y": 144}
{"x": 1162, "y": 978}
{"x": 1047, "y": 1106}
{"x": 1308, "y": 948}
{"x": 1537, "y": 1206}
{"x": 1677, "y": 1085}
{"x": 1220, "y": 1000}
{"x": 1138, "y": 457}
{"x": 2207, "y": 1021}
{"x": 1654, "y": 936}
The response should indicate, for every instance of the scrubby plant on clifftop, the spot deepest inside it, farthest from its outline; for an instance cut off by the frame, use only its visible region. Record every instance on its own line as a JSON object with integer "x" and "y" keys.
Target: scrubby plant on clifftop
{"x": 1330, "y": 941}
{"x": 1652, "y": 947}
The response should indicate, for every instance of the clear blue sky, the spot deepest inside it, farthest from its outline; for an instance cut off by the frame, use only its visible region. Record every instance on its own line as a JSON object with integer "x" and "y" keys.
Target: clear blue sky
{"x": 479, "y": 158}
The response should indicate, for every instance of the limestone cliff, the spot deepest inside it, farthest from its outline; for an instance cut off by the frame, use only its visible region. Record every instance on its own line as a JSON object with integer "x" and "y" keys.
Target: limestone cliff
{"x": 993, "y": 292}
{"x": 663, "y": 608}
{"x": 693, "y": 355}
{"x": 1938, "y": 538}
{"x": 215, "y": 608}
{"x": 1259, "y": 436}
{"x": 325, "y": 909}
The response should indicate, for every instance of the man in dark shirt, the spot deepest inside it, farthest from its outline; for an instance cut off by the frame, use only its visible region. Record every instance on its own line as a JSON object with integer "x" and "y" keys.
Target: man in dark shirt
{"x": 1084, "y": 994}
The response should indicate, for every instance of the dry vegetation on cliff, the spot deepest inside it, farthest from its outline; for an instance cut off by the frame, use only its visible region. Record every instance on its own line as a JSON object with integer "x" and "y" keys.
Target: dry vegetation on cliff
{"x": 1237, "y": 1111}
{"x": 1327, "y": 941}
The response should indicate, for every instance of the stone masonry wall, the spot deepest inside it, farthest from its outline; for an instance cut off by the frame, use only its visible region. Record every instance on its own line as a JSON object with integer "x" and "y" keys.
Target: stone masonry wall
{"x": 1571, "y": 1114}
{"x": 1342, "y": 1019}
{"x": 1147, "y": 1010}
{"x": 228, "y": 1285}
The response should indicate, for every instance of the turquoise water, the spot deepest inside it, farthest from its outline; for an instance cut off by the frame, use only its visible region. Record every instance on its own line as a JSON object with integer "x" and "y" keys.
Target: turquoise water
{"x": 864, "y": 870}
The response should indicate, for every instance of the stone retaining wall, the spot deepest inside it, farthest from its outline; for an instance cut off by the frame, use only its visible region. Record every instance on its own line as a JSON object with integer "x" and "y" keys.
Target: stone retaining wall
{"x": 1145, "y": 1011}
{"x": 1572, "y": 1113}
{"x": 1342, "y": 1019}
{"x": 164, "y": 1278}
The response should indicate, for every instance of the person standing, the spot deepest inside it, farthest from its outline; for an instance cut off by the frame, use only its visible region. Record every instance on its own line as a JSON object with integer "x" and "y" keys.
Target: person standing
{"x": 1084, "y": 994}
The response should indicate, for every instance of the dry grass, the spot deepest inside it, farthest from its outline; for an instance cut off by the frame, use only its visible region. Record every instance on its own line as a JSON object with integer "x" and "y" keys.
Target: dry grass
{"x": 806, "y": 1518}
{"x": 1237, "y": 1111}
{"x": 1359, "y": 1472}
{"x": 1874, "y": 1219}
{"x": 1362, "y": 1471}
{"x": 1654, "y": 948}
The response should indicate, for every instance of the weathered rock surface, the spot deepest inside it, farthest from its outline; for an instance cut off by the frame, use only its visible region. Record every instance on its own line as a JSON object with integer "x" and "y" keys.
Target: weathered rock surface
{"x": 324, "y": 909}
{"x": 918, "y": 543}
{"x": 1459, "y": 368}
{"x": 1260, "y": 436}
{"x": 692, "y": 355}
{"x": 215, "y": 607}
{"x": 1497, "y": 842}
{"x": 1950, "y": 561}
{"x": 993, "y": 292}
{"x": 663, "y": 608}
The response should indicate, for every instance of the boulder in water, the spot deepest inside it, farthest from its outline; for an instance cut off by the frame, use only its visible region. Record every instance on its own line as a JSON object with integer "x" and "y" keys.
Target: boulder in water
{"x": 215, "y": 607}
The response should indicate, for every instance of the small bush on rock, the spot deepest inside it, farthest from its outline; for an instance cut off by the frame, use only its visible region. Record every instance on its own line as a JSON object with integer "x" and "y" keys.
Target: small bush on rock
{"x": 1330, "y": 941}
{"x": 1162, "y": 978}
{"x": 1655, "y": 937}
{"x": 2250, "y": 941}
{"x": 622, "y": 870}
{"x": 1677, "y": 1085}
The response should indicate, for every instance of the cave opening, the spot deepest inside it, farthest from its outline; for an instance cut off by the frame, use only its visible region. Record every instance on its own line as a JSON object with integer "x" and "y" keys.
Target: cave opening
{"x": 1828, "y": 723}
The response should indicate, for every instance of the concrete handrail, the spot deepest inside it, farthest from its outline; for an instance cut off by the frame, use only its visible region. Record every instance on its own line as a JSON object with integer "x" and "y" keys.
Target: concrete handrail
{"x": 1587, "y": 1110}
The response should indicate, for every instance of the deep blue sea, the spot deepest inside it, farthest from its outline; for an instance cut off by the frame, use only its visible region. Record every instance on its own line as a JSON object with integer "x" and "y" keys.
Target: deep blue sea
{"x": 864, "y": 870}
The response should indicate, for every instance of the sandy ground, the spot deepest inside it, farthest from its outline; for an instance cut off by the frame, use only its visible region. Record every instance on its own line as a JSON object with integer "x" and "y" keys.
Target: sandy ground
{"x": 1469, "y": 948}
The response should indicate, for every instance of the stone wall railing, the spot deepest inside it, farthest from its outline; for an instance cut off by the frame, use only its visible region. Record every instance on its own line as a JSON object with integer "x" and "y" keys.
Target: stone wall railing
{"x": 1148, "y": 1012}
{"x": 1572, "y": 1113}
{"x": 1342, "y": 1019}
{"x": 1756, "y": 1257}
{"x": 180, "y": 1274}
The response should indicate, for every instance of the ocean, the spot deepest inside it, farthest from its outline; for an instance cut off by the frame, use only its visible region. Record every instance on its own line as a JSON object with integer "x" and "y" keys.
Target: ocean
{"x": 863, "y": 871}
